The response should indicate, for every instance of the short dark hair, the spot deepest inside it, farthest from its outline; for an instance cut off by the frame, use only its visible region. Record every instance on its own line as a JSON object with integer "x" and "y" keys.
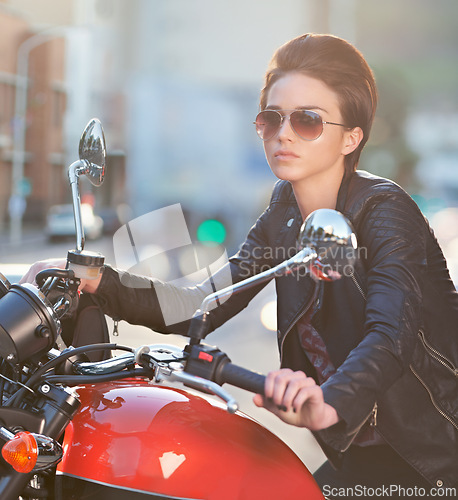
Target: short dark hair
{"x": 339, "y": 65}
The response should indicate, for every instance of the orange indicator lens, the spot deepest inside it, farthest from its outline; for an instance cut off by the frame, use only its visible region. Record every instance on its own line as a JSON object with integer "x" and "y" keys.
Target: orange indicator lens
{"x": 21, "y": 452}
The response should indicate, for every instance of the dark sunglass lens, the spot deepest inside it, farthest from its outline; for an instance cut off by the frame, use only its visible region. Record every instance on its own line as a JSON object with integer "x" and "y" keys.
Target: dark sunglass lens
{"x": 267, "y": 124}
{"x": 307, "y": 124}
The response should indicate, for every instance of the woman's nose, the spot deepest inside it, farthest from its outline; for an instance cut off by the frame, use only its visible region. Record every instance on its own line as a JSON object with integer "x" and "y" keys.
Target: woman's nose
{"x": 286, "y": 132}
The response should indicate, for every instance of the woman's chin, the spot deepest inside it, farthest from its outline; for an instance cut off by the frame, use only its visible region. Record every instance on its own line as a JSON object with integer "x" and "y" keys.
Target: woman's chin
{"x": 284, "y": 174}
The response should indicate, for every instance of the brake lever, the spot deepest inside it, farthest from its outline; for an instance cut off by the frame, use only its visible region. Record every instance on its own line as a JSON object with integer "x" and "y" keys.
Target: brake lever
{"x": 174, "y": 372}
{"x": 167, "y": 363}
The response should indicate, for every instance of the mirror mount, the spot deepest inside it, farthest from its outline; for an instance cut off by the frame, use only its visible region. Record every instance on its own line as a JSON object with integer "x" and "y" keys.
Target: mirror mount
{"x": 74, "y": 171}
{"x": 91, "y": 163}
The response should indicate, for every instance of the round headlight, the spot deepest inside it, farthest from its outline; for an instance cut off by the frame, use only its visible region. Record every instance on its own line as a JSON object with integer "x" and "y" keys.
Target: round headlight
{"x": 28, "y": 325}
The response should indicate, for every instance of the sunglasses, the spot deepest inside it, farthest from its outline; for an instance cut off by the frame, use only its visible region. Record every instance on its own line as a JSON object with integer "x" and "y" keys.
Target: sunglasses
{"x": 308, "y": 125}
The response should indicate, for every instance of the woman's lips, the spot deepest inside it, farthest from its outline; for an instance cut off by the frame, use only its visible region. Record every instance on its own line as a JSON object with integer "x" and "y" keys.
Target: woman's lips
{"x": 284, "y": 154}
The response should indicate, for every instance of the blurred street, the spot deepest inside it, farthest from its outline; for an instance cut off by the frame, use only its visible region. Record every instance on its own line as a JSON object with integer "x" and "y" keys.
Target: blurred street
{"x": 244, "y": 338}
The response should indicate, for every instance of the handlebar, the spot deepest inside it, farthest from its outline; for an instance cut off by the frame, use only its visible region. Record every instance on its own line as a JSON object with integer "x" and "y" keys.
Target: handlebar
{"x": 110, "y": 365}
{"x": 241, "y": 377}
{"x": 211, "y": 364}
{"x": 200, "y": 366}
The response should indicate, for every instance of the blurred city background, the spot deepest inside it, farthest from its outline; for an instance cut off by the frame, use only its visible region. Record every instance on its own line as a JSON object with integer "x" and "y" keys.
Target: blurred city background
{"x": 175, "y": 84}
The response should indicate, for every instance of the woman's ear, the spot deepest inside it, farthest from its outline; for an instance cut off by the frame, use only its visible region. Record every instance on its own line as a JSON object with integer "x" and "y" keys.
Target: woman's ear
{"x": 352, "y": 139}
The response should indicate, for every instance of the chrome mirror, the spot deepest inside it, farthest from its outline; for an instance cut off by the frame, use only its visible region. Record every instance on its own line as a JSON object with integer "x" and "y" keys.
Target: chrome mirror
{"x": 92, "y": 150}
{"x": 92, "y": 153}
{"x": 332, "y": 237}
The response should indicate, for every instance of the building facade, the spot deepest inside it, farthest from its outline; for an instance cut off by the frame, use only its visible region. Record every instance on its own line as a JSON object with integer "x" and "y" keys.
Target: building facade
{"x": 45, "y": 109}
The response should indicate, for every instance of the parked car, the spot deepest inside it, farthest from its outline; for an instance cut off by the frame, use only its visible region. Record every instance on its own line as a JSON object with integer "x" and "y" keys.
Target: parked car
{"x": 110, "y": 218}
{"x": 60, "y": 222}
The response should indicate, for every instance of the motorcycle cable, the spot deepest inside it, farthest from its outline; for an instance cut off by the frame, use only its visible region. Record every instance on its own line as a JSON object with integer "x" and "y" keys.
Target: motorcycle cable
{"x": 72, "y": 380}
{"x": 2, "y": 381}
{"x": 34, "y": 379}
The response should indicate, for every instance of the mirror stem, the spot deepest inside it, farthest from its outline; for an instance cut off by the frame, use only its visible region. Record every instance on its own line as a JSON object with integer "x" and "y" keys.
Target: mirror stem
{"x": 74, "y": 171}
{"x": 200, "y": 324}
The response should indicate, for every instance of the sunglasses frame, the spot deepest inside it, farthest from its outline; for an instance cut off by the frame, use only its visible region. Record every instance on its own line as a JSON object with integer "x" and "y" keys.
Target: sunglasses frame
{"x": 288, "y": 116}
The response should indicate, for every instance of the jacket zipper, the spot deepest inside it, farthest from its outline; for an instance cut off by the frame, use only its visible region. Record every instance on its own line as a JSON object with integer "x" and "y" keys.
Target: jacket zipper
{"x": 433, "y": 352}
{"x": 302, "y": 312}
{"x": 437, "y": 355}
{"x": 373, "y": 416}
{"x": 432, "y": 399}
{"x": 358, "y": 286}
{"x": 293, "y": 322}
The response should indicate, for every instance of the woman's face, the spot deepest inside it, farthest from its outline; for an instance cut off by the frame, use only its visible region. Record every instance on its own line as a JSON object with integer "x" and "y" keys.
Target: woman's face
{"x": 292, "y": 158}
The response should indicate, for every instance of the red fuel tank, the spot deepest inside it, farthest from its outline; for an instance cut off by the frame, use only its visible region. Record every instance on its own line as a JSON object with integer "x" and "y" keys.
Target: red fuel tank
{"x": 142, "y": 437}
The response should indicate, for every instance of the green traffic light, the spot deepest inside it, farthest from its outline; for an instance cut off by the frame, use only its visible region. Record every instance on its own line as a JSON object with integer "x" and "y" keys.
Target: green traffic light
{"x": 211, "y": 232}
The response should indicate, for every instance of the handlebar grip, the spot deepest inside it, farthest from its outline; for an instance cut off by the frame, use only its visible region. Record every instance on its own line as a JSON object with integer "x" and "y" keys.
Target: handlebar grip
{"x": 241, "y": 377}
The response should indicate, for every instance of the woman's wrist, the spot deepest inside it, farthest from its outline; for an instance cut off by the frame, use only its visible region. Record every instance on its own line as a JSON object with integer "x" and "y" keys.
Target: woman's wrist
{"x": 91, "y": 286}
{"x": 331, "y": 416}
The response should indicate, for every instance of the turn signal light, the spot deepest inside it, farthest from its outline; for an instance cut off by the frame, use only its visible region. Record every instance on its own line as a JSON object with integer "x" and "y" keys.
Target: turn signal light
{"x": 26, "y": 452}
{"x": 21, "y": 452}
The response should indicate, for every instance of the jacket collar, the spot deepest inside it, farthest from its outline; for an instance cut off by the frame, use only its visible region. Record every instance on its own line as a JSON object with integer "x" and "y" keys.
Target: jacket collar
{"x": 343, "y": 191}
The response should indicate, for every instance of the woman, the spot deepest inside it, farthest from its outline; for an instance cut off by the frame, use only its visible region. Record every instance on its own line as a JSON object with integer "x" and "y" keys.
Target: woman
{"x": 356, "y": 367}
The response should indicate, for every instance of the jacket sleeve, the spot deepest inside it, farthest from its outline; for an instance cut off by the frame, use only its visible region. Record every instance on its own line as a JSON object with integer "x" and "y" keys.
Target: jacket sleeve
{"x": 392, "y": 234}
{"x": 166, "y": 307}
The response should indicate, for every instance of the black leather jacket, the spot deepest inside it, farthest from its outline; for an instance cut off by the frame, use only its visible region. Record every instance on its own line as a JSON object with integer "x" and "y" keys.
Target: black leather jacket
{"x": 390, "y": 325}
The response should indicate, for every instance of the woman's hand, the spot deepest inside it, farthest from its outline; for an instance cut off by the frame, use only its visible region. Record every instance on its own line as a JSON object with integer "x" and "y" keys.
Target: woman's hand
{"x": 297, "y": 400}
{"x": 41, "y": 265}
{"x": 86, "y": 285}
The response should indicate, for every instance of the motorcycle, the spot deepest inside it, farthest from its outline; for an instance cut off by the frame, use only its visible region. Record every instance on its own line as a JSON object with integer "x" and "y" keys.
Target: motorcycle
{"x": 152, "y": 422}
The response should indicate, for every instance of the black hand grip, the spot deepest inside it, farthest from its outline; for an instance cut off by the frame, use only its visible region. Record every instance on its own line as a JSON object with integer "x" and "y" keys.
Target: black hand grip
{"x": 241, "y": 377}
